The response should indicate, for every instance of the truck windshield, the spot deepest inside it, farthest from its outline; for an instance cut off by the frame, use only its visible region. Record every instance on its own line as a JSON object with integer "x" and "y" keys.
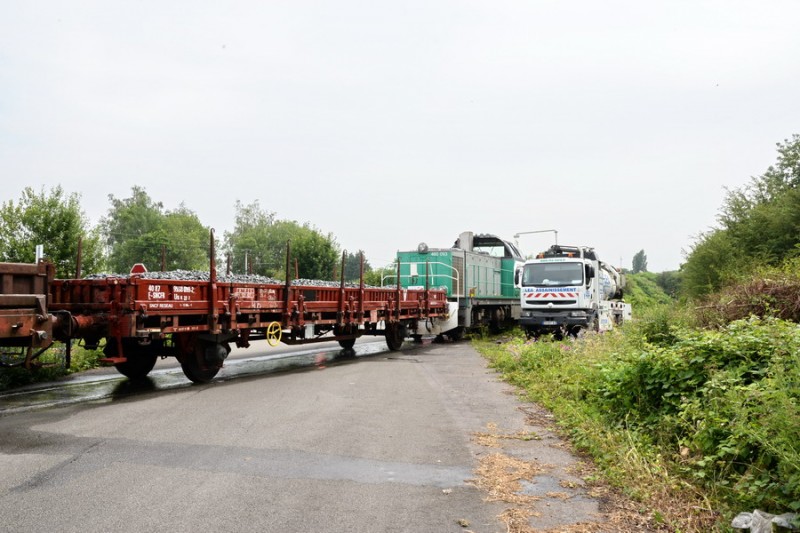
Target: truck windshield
{"x": 552, "y": 274}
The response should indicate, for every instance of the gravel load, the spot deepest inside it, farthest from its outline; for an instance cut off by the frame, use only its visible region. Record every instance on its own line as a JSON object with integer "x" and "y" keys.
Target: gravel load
{"x": 329, "y": 284}
{"x": 201, "y": 275}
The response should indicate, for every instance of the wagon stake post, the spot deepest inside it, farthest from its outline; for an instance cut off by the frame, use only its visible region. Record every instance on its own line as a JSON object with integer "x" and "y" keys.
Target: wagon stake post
{"x": 287, "y": 286}
{"x": 340, "y": 313}
{"x": 213, "y": 315}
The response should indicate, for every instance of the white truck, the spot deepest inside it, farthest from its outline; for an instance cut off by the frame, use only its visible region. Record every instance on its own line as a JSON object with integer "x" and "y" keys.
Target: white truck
{"x": 567, "y": 289}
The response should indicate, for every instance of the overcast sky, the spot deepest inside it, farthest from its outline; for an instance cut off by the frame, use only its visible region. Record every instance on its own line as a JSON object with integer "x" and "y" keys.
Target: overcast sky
{"x": 619, "y": 124}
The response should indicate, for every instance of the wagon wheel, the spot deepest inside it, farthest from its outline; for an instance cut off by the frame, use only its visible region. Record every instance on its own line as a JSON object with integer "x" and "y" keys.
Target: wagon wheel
{"x": 140, "y": 359}
{"x": 395, "y": 335}
{"x": 274, "y": 332}
{"x": 346, "y": 344}
{"x": 137, "y": 366}
{"x": 196, "y": 366}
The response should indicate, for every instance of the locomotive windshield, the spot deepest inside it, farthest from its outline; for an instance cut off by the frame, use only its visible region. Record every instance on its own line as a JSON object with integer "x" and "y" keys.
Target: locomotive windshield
{"x": 552, "y": 275}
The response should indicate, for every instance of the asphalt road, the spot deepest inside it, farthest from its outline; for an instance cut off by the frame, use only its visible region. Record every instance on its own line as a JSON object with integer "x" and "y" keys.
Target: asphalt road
{"x": 382, "y": 443}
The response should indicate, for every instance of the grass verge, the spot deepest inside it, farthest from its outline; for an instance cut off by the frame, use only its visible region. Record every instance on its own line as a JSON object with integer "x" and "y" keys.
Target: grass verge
{"x": 52, "y": 366}
{"x": 570, "y": 379}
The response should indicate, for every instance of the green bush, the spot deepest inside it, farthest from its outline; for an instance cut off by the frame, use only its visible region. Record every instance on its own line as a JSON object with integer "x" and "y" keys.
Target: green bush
{"x": 716, "y": 409}
{"x": 715, "y": 393}
{"x": 740, "y": 430}
{"x": 658, "y": 324}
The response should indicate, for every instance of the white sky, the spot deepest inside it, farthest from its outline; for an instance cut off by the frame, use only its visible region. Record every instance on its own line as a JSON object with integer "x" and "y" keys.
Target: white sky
{"x": 618, "y": 123}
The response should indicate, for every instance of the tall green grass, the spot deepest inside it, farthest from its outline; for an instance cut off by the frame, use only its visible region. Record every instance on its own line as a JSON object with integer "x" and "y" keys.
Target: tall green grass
{"x": 671, "y": 412}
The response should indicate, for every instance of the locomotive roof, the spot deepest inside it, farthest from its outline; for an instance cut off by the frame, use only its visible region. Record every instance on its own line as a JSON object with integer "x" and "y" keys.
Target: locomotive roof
{"x": 487, "y": 239}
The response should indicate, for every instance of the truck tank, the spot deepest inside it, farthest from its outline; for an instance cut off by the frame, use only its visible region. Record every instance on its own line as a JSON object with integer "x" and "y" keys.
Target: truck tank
{"x": 612, "y": 282}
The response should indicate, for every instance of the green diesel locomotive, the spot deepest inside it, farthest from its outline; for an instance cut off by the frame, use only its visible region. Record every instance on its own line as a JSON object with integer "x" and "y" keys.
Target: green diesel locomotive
{"x": 477, "y": 273}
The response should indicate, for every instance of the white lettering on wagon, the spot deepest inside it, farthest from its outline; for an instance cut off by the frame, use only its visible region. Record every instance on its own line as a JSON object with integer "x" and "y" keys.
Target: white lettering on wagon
{"x": 183, "y": 293}
{"x": 245, "y": 293}
{"x": 160, "y": 306}
{"x": 154, "y": 292}
{"x": 183, "y": 288}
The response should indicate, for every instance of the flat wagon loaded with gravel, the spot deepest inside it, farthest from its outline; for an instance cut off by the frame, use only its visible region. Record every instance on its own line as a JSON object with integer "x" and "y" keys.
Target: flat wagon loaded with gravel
{"x": 197, "y": 316}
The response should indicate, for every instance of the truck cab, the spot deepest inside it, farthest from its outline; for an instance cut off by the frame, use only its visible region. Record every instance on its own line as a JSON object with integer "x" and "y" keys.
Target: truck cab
{"x": 566, "y": 290}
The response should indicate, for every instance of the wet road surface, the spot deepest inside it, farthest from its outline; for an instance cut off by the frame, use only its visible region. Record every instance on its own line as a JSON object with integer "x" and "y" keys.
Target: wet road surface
{"x": 108, "y": 384}
{"x": 388, "y": 442}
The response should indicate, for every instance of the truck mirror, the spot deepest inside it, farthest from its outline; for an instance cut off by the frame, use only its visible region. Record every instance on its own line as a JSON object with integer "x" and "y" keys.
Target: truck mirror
{"x": 589, "y": 272}
{"x": 516, "y": 277}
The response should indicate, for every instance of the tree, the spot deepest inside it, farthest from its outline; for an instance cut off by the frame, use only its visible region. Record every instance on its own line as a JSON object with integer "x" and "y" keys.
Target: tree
{"x": 378, "y": 277}
{"x": 138, "y": 228}
{"x": 639, "y": 262}
{"x": 352, "y": 266}
{"x": 258, "y": 244}
{"x": 713, "y": 261}
{"x": 670, "y": 282}
{"x": 771, "y": 185}
{"x": 763, "y": 217}
{"x": 254, "y": 243}
{"x": 317, "y": 255}
{"x": 189, "y": 243}
{"x": 55, "y": 220}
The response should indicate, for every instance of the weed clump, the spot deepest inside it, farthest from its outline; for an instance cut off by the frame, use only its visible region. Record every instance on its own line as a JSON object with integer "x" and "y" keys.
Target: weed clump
{"x": 771, "y": 291}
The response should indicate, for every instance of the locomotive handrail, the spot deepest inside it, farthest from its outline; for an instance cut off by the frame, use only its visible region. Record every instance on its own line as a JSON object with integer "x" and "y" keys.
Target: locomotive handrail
{"x": 428, "y": 276}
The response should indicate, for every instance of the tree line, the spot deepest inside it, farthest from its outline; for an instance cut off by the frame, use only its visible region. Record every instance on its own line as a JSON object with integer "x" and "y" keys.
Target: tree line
{"x": 139, "y": 229}
{"x": 758, "y": 226}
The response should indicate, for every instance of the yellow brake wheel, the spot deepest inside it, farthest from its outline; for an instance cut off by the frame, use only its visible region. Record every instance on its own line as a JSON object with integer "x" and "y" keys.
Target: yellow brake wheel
{"x": 274, "y": 333}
